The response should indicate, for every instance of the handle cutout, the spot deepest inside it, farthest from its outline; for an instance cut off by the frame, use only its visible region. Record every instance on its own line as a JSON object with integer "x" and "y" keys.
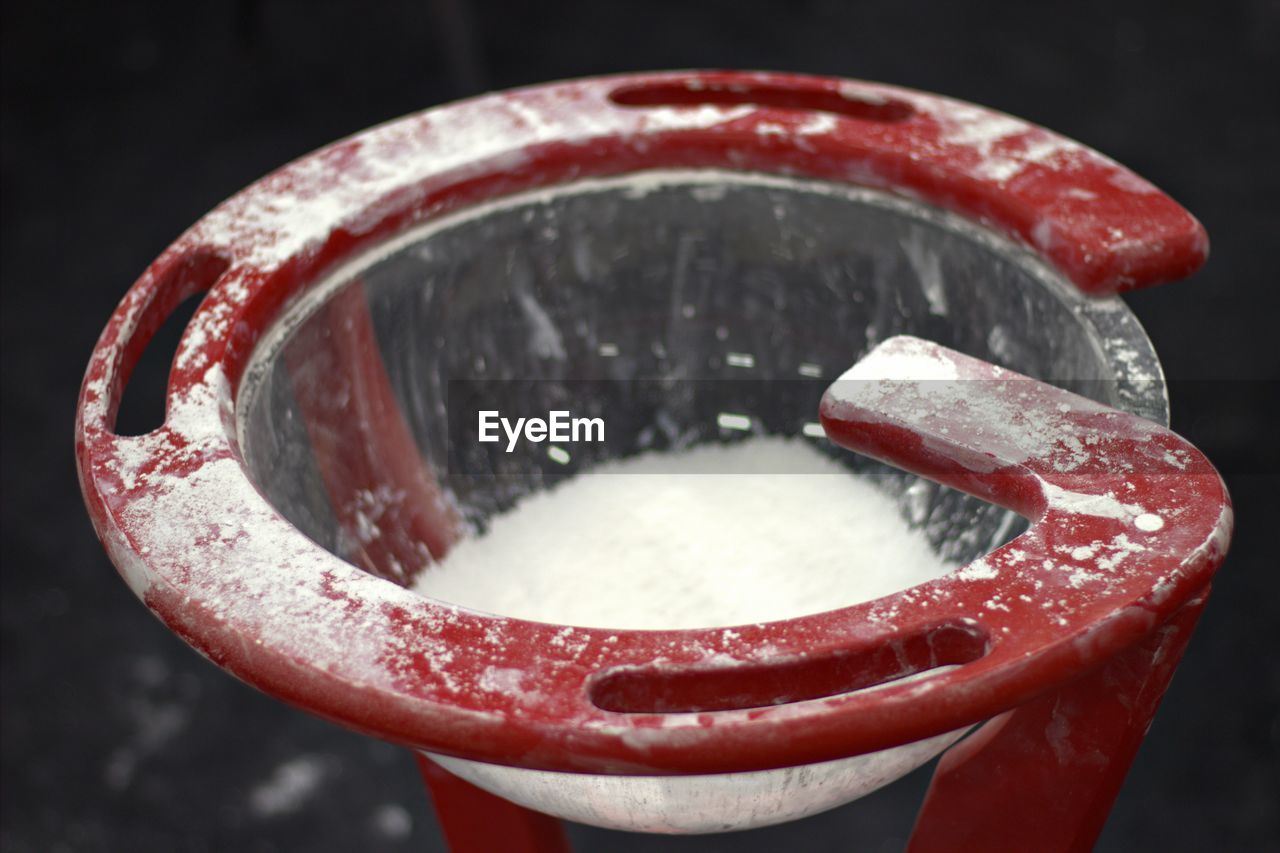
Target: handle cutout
{"x": 695, "y": 92}
{"x": 691, "y": 689}
{"x": 144, "y": 369}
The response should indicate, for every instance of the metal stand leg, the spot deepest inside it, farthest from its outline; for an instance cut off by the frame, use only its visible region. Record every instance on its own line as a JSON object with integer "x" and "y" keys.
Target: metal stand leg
{"x": 1044, "y": 776}
{"x": 475, "y": 821}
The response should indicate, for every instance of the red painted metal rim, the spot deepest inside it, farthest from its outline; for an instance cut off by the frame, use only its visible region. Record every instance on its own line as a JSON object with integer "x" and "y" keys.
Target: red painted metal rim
{"x": 207, "y": 553}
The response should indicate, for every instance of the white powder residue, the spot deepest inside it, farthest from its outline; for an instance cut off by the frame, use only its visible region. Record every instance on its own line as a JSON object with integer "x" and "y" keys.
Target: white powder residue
{"x": 290, "y": 785}
{"x": 392, "y": 821}
{"x": 927, "y": 264}
{"x": 1101, "y": 506}
{"x": 1005, "y": 145}
{"x": 545, "y": 340}
{"x": 760, "y": 530}
{"x": 156, "y": 721}
{"x": 909, "y": 359}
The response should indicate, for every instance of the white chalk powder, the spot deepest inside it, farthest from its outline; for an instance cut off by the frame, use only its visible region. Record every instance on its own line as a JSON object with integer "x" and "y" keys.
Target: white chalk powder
{"x": 764, "y": 529}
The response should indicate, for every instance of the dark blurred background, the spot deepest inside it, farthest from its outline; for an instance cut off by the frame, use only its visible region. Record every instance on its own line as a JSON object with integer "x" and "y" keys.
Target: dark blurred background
{"x": 123, "y": 122}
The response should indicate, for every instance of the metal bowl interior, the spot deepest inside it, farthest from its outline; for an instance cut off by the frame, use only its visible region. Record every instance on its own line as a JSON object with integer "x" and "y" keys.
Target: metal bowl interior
{"x": 770, "y": 287}
{"x": 687, "y": 295}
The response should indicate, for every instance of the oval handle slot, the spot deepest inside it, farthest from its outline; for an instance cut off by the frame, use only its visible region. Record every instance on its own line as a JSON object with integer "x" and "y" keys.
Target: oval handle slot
{"x": 695, "y": 92}
{"x": 688, "y": 689}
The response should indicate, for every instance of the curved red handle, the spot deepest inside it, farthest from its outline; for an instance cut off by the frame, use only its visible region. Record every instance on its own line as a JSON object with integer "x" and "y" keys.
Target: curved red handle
{"x": 1118, "y": 501}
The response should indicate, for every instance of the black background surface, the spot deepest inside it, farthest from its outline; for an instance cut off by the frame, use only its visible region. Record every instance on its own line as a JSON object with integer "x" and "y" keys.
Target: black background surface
{"x": 124, "y": 122}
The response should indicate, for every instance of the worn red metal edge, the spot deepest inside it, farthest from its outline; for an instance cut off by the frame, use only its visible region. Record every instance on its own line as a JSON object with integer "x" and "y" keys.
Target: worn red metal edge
{"x": 208, "y": 554}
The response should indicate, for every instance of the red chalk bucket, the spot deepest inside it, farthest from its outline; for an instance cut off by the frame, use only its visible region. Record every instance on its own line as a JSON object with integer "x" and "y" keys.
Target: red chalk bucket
{"x": 301, "y": 478}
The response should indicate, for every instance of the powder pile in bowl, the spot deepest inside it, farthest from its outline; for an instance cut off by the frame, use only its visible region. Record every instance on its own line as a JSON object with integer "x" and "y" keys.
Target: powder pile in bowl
{"x": 755, "y": 531}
